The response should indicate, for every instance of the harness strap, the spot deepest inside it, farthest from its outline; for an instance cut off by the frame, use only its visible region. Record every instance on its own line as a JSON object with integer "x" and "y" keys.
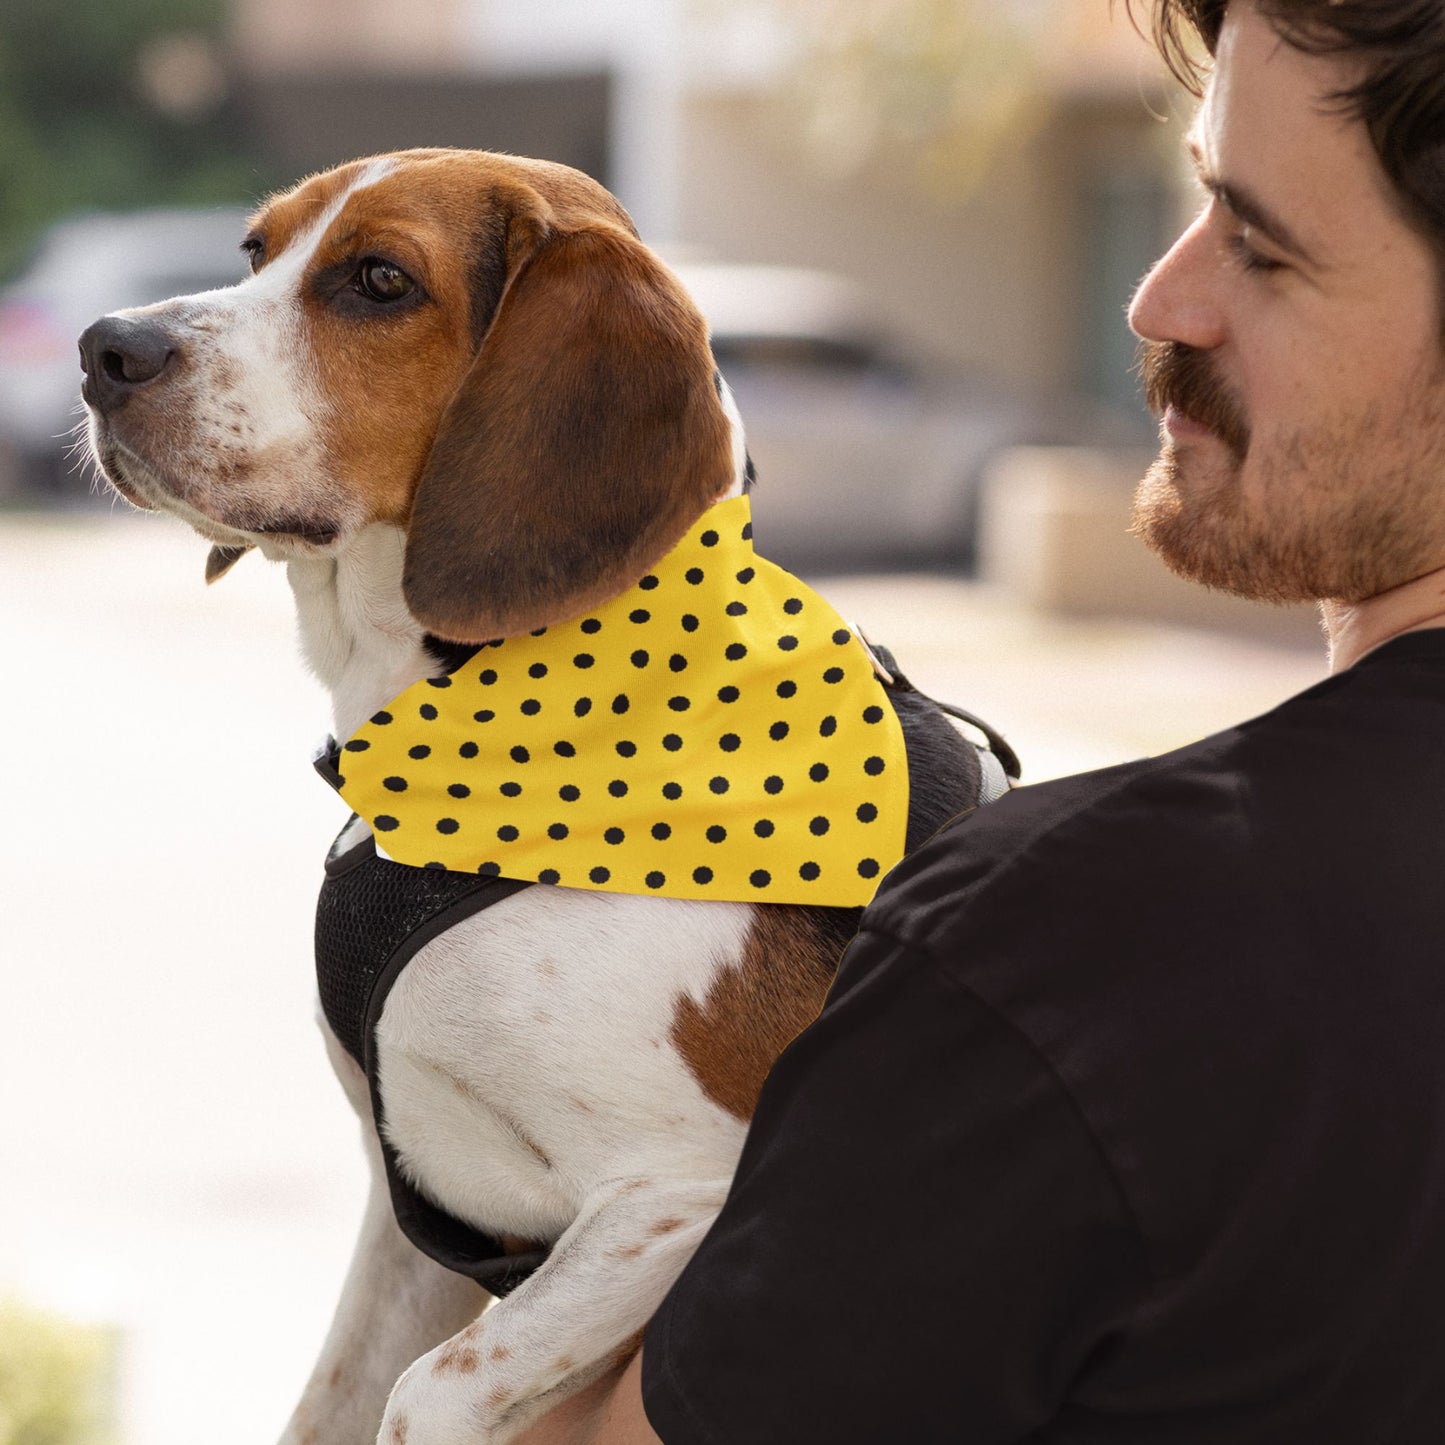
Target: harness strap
{"x": 1000, "y": 763}
{"x": 372, "y": 918}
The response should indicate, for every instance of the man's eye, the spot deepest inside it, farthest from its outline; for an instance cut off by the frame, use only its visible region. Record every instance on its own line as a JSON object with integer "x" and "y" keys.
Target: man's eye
{"x": 1248, "y": 258}
{"x": 382, "y": 281}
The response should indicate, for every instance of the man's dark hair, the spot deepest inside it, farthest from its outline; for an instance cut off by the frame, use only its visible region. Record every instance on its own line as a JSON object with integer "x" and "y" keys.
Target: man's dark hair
{"x": 1400, "y": 96}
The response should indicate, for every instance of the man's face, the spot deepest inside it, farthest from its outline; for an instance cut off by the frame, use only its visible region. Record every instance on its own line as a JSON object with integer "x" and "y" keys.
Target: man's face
{"x": 1295, "y": 348}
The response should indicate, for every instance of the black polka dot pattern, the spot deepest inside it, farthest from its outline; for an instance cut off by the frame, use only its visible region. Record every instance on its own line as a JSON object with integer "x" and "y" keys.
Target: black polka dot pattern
{"x": 770, "y": 769}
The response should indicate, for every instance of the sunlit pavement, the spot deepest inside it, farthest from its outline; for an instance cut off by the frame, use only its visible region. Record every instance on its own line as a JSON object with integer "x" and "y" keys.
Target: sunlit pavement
{"x": 177, "y": 1160}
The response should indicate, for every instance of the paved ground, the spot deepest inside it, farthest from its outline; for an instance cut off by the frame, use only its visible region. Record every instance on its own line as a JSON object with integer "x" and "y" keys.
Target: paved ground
{"x": 177, "y": 1161}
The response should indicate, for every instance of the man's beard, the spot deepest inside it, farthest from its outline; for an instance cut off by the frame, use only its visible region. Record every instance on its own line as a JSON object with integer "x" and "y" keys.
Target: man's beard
{"x": 1346, "y": 510}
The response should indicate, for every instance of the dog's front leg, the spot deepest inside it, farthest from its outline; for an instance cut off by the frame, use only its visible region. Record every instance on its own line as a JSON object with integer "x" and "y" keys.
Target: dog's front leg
{"x": 395, "y": 1306}
{"x": 565, "y": 1326}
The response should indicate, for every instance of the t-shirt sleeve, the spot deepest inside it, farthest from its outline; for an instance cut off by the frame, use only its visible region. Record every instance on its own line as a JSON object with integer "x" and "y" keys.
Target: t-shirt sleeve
{"x": 922, "y": 1242}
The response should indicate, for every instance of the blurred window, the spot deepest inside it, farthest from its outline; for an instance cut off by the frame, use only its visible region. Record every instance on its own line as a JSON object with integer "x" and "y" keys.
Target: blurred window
{"x": 839, "y": 356}
{"x": 1126, "y": 214}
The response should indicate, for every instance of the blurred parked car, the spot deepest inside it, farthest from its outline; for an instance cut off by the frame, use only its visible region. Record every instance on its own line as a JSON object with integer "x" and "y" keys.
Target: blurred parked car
{"x": 866, "y": 452}
{"x": 83, "y": 268}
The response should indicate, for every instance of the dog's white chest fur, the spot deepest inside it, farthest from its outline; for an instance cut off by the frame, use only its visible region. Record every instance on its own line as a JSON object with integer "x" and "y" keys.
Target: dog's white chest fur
{"x": 526, "y": 1055}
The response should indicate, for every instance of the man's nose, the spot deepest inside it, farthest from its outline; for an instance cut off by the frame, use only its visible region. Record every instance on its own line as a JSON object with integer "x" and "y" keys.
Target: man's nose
{"x": 121, "y": 354}
{"x": 1179, "y": 299}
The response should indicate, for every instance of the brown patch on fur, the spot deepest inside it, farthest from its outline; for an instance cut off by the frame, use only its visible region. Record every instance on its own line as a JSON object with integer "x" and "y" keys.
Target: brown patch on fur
{"x": 498, "y": 1397}
{"x": 291, "y": 213}
{"x": 334, "y": 1379}
{"x": 501, "y": 1352}
{"x": 458, "y": 1357}
{"x": 627, "y": 1251}
{"x": 398, "y": 1430}
{"x": 755, "y": 1009}
{"x": 565, "y": 1363}
{"x": 583, "y": 1105}
{"x": 667, "y": 1226}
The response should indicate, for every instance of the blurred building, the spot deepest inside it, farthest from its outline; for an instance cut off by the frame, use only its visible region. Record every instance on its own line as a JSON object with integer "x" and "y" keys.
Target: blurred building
{"x": 688, "y": 110}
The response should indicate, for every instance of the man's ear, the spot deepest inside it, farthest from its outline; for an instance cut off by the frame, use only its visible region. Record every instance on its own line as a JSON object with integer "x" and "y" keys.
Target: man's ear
{"x": 586, "y": 438}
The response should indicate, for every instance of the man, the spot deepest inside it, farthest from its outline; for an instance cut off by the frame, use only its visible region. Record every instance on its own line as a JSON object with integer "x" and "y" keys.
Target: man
{"x": 1125, "y": 1121}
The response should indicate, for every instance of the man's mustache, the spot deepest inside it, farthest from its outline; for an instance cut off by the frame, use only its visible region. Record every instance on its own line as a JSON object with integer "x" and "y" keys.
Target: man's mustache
{"x": 1185, "y": 378}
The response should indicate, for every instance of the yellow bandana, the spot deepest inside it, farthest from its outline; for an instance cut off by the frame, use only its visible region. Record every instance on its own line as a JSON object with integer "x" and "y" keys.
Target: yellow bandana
{"x": 714, "y": 732}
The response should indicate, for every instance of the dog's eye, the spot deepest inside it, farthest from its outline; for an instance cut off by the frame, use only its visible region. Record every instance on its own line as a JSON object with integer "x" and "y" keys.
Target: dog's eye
{"x": 255, "y": 249}
{"x": 382, "y": 281}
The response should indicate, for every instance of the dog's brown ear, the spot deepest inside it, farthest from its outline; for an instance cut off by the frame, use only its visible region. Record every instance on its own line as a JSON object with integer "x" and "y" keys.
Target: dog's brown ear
{"x": 584, "y": 441}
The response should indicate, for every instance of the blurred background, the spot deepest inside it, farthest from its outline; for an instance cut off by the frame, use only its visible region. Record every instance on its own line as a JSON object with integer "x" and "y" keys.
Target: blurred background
{"x": 913, "y": 225}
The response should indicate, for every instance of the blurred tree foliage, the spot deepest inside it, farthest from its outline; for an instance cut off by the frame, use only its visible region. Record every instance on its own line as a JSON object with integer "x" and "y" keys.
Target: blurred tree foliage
{"x": 931, "y": 92}
{"x": 78, "y": 128}
{"x": 56, "y": 1380}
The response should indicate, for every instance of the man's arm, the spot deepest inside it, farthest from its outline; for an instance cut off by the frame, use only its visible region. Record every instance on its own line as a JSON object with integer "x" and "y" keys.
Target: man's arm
{"x": 607, "y": 1412}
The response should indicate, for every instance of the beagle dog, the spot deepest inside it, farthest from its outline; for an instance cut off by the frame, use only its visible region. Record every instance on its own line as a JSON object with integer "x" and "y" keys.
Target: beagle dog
{"x": 466, "y": 407}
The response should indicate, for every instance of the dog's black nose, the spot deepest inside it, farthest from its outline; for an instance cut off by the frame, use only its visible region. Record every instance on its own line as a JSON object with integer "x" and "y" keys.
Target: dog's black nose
{"x": 120, "y": 354}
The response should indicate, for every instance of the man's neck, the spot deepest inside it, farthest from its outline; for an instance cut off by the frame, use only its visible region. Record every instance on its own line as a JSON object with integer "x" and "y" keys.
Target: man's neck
{"x": 1355, "y": 628}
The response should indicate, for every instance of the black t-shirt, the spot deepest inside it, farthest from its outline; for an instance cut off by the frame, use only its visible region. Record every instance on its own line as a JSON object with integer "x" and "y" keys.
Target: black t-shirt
{"x": 1124, "y": 1121}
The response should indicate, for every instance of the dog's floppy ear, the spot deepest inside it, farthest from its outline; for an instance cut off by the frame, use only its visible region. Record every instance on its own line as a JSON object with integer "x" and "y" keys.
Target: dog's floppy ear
{"x": 586, "y": 438}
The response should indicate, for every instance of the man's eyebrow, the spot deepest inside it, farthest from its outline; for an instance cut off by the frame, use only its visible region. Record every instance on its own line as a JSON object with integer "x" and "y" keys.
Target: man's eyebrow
{"x": 1246, "y": 206}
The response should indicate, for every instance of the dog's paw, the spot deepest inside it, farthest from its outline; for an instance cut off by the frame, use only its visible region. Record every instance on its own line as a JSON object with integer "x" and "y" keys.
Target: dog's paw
{"x": 458, "y": 1394}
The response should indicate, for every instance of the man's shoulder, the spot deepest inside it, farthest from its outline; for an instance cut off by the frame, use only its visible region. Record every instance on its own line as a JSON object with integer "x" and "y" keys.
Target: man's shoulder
{"x": 1324, "y": 765}
{"x": 1104, "y": 826}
